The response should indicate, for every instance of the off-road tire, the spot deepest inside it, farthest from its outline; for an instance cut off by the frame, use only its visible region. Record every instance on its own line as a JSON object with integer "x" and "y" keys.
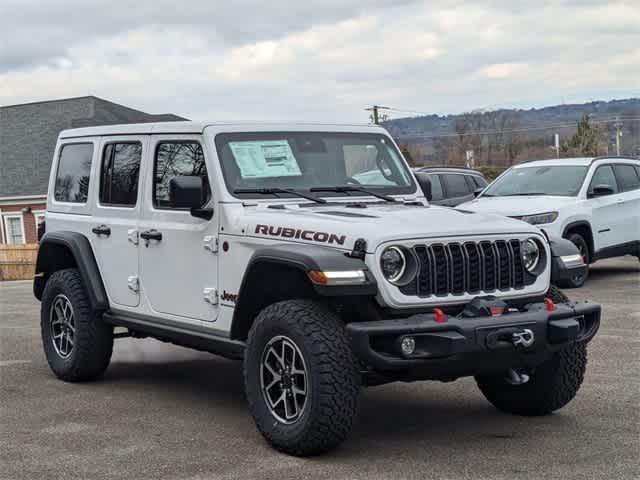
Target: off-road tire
{"x": 551, "y": 386}
{"x": 582, "y": 245}
{"x": 93, "y": 339}
{"x": 333, "y": 377}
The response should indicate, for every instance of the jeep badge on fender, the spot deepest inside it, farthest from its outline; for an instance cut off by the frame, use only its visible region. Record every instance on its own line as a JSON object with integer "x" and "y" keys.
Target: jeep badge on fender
{"x": 311, "y": 255}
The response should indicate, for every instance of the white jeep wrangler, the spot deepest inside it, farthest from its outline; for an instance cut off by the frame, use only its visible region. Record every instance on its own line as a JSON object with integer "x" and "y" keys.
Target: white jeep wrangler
{"x": 258, "y": 243}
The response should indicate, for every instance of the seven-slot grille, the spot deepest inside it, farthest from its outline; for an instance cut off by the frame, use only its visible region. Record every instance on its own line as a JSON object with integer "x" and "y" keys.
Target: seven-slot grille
{"x": 466, "y": 267}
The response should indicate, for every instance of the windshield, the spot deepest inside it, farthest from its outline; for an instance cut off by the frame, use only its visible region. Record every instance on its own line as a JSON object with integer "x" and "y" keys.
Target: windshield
{"x": 560, "y": 180}
{"x": 271, "y": 163}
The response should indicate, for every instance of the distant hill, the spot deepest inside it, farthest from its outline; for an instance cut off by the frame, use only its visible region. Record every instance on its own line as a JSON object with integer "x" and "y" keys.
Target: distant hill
{"x": 507, "y": 136}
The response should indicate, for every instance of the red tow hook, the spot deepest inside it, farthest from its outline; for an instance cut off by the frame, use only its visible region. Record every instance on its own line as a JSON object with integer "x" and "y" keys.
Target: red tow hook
{"x": 550, "y": 305}
{"x": 441, "y": 317}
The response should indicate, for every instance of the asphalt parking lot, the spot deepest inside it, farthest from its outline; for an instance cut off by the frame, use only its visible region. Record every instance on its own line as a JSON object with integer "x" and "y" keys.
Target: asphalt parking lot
{"x": 166, "y": 412}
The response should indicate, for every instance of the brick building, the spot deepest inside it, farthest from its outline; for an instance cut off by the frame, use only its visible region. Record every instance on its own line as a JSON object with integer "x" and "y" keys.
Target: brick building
{"x": 28, "y": 135}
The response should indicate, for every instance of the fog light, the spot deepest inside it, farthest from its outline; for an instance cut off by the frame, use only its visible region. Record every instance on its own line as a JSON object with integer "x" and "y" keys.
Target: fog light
{"x": 408, "y": 345}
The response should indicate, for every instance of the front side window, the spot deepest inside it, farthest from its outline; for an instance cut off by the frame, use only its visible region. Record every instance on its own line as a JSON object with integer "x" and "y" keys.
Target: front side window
{"x": 175, "y": 159}
{"x": 603, "y": 176}
{"x": 455, "y": 185}
{"x": 74, "y": 170}
{"x": 555, "y": 180}
{"x": 627, "y": 177}
{"x": 305, "y": 161}
{"x": 120, "y": 172}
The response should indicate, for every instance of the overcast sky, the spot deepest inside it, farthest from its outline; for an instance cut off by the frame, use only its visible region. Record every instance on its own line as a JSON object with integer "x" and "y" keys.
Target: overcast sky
{"x": 318, "y": 60}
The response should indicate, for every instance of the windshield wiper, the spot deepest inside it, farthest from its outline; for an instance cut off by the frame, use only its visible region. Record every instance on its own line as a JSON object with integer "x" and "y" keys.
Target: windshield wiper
{"x": 345, "y": 189}
{"x": 525, "y": 194}
{"x": 275, "y": 191}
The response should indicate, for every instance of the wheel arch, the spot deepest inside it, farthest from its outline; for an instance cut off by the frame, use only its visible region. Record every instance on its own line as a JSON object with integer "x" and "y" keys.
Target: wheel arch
{"x": 285, "y": 269}
{"x": 61, "y": 250}
{"x": 582, "y": 227}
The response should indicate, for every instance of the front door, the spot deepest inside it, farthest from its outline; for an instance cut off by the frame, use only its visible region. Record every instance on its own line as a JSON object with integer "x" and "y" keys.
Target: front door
{"x": 115, "y": 217}
{"x": 179, "y": 262}
{"x": 607, "y": 216}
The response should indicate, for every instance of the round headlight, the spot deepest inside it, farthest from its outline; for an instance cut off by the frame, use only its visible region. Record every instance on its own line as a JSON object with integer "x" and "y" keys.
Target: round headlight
{"x": 530, "y": 254}
{"x": 392, "y": 263}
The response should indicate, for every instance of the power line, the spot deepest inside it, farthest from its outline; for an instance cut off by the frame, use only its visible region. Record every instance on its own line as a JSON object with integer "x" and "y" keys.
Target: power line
{"x": 375, "y": 109}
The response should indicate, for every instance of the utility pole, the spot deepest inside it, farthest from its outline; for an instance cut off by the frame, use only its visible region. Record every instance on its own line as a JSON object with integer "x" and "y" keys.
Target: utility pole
{"x": 376, "y": 116}
{"x": 618, "y": 126}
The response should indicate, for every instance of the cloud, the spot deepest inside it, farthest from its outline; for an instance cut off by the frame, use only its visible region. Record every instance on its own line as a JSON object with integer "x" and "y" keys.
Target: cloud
{"x": 317, "y": 60}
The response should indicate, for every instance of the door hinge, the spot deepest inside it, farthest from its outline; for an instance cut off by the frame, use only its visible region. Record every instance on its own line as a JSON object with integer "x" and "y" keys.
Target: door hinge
{"x": 133, "y": 283}
{"x": 132, "y": 235}
{"x": 211, "y": 243}
{"x": 210, "y": 295}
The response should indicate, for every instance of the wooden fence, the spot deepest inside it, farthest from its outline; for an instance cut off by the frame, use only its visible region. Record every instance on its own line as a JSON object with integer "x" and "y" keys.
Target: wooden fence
{"x": 17, "y": 262}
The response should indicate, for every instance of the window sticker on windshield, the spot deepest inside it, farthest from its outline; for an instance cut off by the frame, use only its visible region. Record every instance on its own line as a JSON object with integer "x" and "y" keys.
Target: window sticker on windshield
{"x": 265, "y": 159}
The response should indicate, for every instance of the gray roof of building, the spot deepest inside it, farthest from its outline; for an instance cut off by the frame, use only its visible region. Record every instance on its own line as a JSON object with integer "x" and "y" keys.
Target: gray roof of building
{"x": 28, "y": 134}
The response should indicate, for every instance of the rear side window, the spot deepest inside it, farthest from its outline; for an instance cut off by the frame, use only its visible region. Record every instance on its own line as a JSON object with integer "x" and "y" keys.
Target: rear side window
{"x": 603, "y": 176}
{"x": 177, "y": 159}
{"x": 455, "y": 185}
{"x": 436, "y": 188}
{"x": 120, "y": 172}
{"x": 74, "y": 169}
{"x": 627, "y": 177}
{"x": 479, "y": 182}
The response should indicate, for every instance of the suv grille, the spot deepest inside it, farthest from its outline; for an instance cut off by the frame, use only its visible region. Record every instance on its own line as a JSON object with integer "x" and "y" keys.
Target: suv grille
{"x": 469, "y": 267}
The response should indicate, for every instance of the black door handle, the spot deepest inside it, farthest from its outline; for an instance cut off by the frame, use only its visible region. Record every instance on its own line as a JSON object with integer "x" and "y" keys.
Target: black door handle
{"x": 152, "y": 234}
{"x": 101, "y": 230}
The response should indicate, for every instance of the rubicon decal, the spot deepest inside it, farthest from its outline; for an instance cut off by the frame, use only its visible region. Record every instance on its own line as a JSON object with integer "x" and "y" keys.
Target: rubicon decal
{"x": 296, "y": 233}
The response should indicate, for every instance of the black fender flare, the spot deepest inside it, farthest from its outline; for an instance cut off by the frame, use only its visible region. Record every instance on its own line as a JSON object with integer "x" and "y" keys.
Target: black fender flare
{"x": 49, "y": 260}
{"x": 304, "y": 259}
{"x": 591, "y": 241}
{"x": 307, "y": 258}
{"x": 561, "y": 247}
{"x": 577, "y": 223}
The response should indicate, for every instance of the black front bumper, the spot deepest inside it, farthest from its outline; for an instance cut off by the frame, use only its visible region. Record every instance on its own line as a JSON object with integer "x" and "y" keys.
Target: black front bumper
{"x": 463, "y": 346}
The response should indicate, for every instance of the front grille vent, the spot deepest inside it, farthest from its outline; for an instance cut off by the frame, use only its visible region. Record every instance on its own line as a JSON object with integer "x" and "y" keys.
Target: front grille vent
{"x": 468, "y": 267}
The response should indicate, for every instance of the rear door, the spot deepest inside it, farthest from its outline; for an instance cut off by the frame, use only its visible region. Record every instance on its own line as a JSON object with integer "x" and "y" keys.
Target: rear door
{"x": 628, "y": 202}
{"x": 115, "y": 221}
{"x": 456, "y": 188}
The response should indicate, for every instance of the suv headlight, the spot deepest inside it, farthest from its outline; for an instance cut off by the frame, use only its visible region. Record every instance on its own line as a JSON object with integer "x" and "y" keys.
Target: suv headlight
{"x": 398, "y": 265}
{"x": 540, "y": 218}
{"x": 392, "y": 263}
{"x": 530, "y": 254}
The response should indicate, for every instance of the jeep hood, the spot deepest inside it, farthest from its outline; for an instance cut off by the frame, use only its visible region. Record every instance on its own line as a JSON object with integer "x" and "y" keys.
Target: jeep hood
{"x": 338, "y": 225}
{"x": 517, "y": 206}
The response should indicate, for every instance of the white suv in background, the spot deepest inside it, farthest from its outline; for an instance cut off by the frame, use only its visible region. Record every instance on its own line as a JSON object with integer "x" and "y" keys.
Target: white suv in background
{"x": 594, "y": 202}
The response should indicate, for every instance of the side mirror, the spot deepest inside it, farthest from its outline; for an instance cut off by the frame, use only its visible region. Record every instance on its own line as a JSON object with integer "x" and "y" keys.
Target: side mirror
{"x": 477, "y": 191}
{"x": 425, "y": 185}
{"x": 602, "y": 190}
{"x": 188, "y": 192}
